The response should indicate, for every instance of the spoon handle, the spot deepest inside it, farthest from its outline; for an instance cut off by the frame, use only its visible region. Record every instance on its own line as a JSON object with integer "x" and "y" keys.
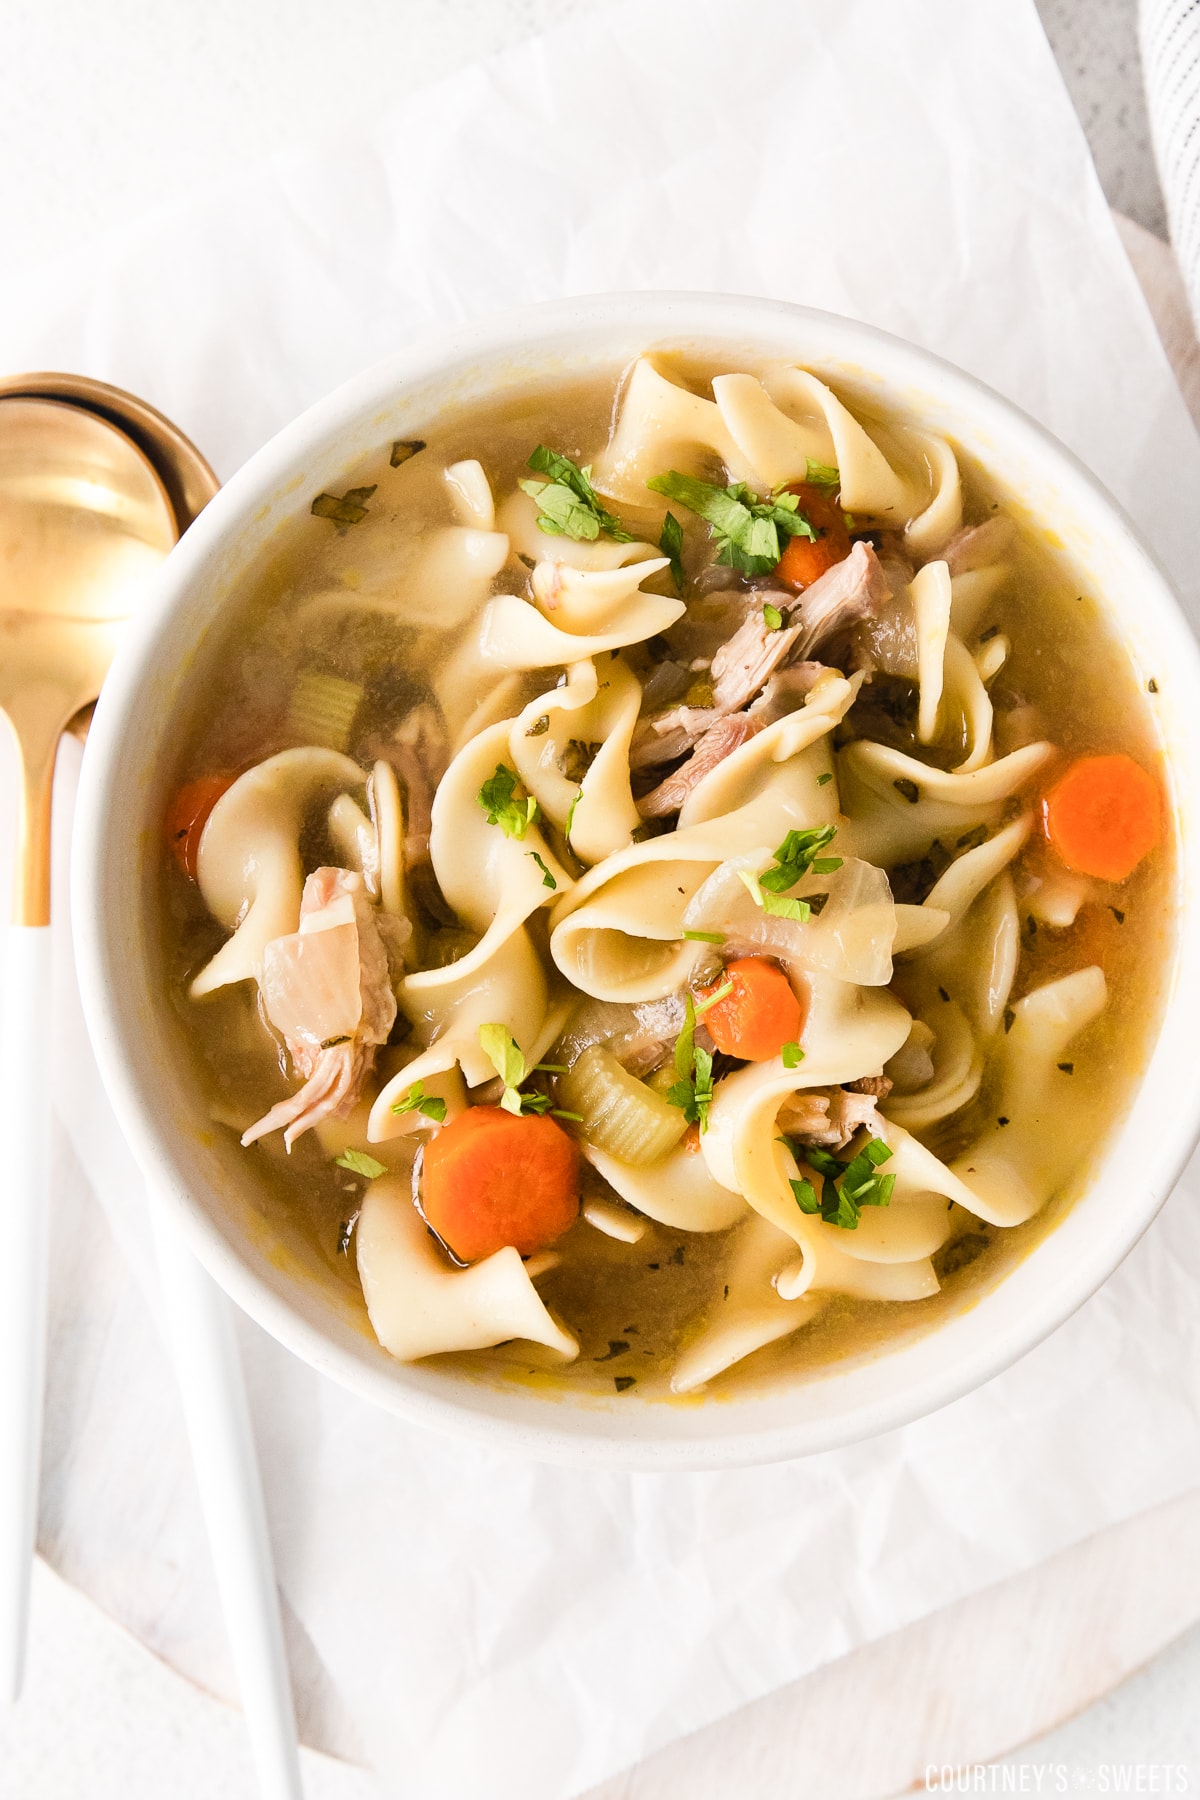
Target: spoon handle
{"x": 25, "y": 1135}
{"x": 209, "y": 1371}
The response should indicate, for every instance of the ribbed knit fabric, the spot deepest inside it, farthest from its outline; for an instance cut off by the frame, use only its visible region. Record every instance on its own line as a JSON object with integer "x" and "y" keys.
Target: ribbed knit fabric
{"x": 1170, "y": 40}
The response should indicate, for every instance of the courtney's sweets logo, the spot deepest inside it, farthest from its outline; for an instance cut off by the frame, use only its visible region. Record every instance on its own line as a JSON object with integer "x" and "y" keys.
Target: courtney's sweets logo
{"x": 1056, "y": 1778}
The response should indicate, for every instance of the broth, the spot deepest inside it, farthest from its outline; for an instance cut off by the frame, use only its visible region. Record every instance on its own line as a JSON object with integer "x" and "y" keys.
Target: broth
{"x": 356, "y": 605}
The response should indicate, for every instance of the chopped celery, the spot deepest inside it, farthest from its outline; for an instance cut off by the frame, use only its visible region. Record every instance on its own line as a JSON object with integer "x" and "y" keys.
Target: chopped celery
{"x": 322, "y": 709}
{"x": 618, "y": 1113}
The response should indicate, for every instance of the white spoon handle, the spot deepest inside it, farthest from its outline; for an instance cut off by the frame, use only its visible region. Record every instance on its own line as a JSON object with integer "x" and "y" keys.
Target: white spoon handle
{"x": 24, "y": 1195}
{"x": 210, "y": 1378}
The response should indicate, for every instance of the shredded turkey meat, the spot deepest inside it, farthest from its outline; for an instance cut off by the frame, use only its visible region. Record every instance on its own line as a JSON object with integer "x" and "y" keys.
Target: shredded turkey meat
{"x": 854, "y": 589}
{"x": 718, "y": 742}
{"x": 783, "y": 693}
{"x": 418, "y": 751}
{"x": 748, "y": 660}
{"x": 671, "y": 735}
{"x": 325, "y": 988}
{"x": 827, "y": 1118}
{"x": 979, "y": 546}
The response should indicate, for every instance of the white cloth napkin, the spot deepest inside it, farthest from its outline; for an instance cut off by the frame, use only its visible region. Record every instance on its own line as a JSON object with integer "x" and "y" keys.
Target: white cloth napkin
{"x": 482, "y": 1626}
{"x": 1169, "y": 33}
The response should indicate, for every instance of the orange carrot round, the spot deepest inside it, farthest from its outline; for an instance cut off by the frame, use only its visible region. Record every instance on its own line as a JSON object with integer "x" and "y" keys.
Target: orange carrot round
{"x": 491, "y": 1179}
{"x": 805, "y": 559}
{"x": 759, "y": 1017}
{"x": 187, "y": 816}
{"x": 1103, "y": 816}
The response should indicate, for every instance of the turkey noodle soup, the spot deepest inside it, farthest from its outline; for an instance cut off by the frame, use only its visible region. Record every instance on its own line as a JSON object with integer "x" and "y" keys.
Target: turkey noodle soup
{"x": 671, "y": 883}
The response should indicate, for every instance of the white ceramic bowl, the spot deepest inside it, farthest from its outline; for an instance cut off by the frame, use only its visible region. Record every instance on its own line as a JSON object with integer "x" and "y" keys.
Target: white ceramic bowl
{"x": 130, "y": 755}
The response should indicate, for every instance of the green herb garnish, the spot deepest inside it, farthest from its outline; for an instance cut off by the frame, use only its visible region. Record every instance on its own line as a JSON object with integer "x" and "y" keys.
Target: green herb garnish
{"x": 404, "y": 448}
{"x": 359, "y": 1163}
{"x": 496, "y": 798}
{"x": 822, "y": 779}
{"x": 569, "y": 505}
{"x": 712, "y": 999}
{"x": 344, "y": 509}
{"x": 772, "y": 617}
{"x": 670, "y": 542}
{"x": 746, "y": 531}
{"x": 792, "y": 1056}
{"x": 798, "y": 855}
{"x": 504, "y": 1053}
{"x": 692, "y": 1091}
{"x": 778, "y": 906}
{"x": 571, "y": 815}
{"x": 547, "y": 878}
{"x": 705, "y": 937}
{"x": 822, "y": 475}
{"x": 430, "y": 1106}
{"x": 845, "y": 1187}
{"x": 805, "y": 1195}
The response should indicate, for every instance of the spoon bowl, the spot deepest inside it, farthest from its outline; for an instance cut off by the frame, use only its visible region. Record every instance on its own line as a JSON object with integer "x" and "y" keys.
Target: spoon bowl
{"x": 85, "y": 522}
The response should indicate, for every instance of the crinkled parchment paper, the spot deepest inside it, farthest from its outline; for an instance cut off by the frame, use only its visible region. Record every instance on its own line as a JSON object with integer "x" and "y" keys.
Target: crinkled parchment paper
{"x": 477, "y": 1626}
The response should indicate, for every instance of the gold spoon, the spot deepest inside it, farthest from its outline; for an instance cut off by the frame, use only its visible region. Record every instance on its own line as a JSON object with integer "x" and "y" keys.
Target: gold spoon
{"x": 95, "y": 486}
{"x": 85, "y": 522}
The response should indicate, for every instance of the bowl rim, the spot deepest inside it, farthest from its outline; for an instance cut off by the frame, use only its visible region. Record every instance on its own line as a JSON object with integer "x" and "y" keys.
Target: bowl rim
{"x": 590, "y": 1437}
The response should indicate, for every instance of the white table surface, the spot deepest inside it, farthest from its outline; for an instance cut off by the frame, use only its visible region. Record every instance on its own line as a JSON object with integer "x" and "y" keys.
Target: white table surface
{"x": 107, "y": 111}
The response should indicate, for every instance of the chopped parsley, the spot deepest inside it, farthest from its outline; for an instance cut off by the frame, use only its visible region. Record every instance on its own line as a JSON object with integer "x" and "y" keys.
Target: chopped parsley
{"x": 712, "y": 999}
{"x": 692, "y": 1091}
{"x": 428, "y": 1105}
{"x": 792, "y": 1056}
{"x": 540, "y": 726}
{"x": 571, "y": 815}
{"x": 844, "y": 1187}
{"x": 568, "y": 503}
{"x": 344, "y": 509}
{"x": 547, "y": 878}
{"x": 504, "y": 1053}
{"x": 404, "y": 448}
{"x": 747, "y": 532}
{"x": 670, "y": 542}
{"x": 822, "y": 779}
{"x": 514, "y": 817}
{"x": 772, "y": 617}
{"x": 778, "y": 906}
{"x": 705, "y": 937}
{"x": 798, "y": 855}
{"x": 359, "y": 1163}
{"x": 822, "y": 475}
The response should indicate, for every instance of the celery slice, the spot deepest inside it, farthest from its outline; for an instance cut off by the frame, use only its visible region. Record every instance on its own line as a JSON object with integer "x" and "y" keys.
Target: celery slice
{"x": 618, "y": 1113}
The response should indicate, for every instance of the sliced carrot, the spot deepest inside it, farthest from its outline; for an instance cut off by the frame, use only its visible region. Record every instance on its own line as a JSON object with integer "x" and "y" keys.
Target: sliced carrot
{"x": 805, "y": 559}
{"x": 187, "y": 816}
{"x": 759, "y": 1017}
{"x": 491, "y": 1179}
{"x": 1104, "y": 816}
